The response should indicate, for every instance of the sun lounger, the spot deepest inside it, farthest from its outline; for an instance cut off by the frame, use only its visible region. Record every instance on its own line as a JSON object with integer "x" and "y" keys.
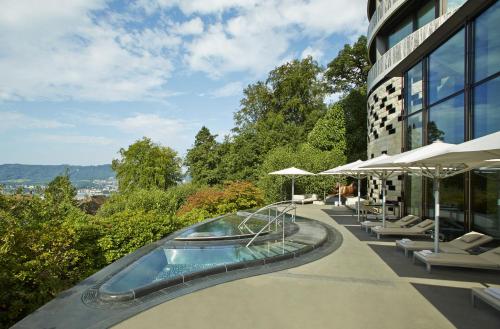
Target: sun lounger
{"x": 415, "y": 230}
{"x": 487, "y": 260}
{"x": 489, "y": 295}
{"x": 403, "y": 222}
{"x": 460, "y": 245}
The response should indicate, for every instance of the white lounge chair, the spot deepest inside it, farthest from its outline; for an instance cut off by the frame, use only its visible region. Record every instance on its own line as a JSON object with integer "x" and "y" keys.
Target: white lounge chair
{"x": 403, "y": 222}
{"x": 489, "y": 260}
{"x": 415, "y": 230}
{"x": 460, "y": 245}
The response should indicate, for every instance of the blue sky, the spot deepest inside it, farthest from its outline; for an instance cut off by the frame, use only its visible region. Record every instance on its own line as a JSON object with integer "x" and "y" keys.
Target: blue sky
{"x": 80, "y": 79}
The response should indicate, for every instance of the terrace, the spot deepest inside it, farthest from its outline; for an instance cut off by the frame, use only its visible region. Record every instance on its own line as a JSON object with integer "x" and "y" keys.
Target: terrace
{"x": 365, "y": 283}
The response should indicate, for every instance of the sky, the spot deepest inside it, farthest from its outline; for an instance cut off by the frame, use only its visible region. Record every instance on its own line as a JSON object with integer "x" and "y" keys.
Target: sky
{"x": 80, "y": 79}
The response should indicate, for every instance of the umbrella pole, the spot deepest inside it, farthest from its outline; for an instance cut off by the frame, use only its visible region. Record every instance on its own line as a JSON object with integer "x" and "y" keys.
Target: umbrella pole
{"x": 383, "y": 202}
{"x": 293, "y": 186}
{"x": 359, "y": 194}
{"x": 436, "y": 212}
{"x": 340, "y": 201}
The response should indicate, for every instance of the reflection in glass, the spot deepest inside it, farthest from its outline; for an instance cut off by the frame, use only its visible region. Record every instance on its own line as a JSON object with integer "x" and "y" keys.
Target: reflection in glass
{"x": 426, "y": 14}
{"x": 487, "y": 108}
{"x": 450, "y": 5}
{"x": 413, "y": 94}
{"x": 487, "y": 43}
{"x": 400, "y": 32}
{"x": 446, "y": 121}
{"x": 446, "y": 68}
{"x": 414, "y": 195}
{"x": 451, "y": 200}
{"x": 486, "y": 201}
{"x": 414, "y": 132}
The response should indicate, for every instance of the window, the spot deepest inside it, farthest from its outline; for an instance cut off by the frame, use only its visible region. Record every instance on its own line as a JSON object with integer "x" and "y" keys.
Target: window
{"x": 414, "y": 195}
{"x": 414, "y": 132}
{"x": 426, "y": 14}
{"x": 487, "y": 43}
{"x": 485, "y": 201}
{"x": 413, "y": 89}
{"x": 446, "y": 68}
{"x": 400, "y": 32}
{"x": 487, "y": 108}
{"x": 449, "y": 5}
{"x": 446, "y": 121}
{"x": 423, "y": 14}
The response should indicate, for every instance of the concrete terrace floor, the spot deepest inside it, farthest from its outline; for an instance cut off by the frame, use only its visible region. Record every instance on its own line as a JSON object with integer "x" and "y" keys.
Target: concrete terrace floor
{"x": 364, "y": 284}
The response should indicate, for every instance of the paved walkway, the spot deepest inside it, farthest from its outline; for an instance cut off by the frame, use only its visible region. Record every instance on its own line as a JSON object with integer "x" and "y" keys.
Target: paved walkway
{"x": 351, "y": 288}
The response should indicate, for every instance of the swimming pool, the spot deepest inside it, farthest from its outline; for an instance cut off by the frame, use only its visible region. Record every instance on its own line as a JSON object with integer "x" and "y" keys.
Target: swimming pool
{"x": 223, "y": 227}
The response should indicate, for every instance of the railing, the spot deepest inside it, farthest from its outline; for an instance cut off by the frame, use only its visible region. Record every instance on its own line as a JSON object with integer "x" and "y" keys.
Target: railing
{"x": 269, "y": 207}
{"x": 278, "y": 213}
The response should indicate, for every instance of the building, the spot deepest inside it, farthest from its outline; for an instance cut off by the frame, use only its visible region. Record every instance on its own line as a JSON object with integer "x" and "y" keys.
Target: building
{"x": 435, "y": 76}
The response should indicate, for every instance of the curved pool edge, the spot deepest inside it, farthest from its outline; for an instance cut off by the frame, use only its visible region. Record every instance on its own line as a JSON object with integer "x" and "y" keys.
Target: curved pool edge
{"x": 68, "y": 309}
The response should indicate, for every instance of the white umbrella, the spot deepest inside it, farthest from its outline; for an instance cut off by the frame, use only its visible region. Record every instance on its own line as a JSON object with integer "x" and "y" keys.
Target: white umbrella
{"x": 372, "y": 167}
{"x": 292, "y": 171}
{"x": 441, "y": 160}
{"x": 343, "y": 170}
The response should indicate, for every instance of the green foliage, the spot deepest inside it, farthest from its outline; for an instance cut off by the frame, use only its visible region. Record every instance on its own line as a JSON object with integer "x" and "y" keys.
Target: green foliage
{"x": 42, "y": 254}
{"x": 355, "y": 112}
{"x": 329, "y": 132}
{"x": 60, "y": 190}
{"x": 128, "y": 230}
{"x": 213, "y": 201}
{"x": 349, "y": 70}
{"x": 147, "y": 165}
{"x": 203, "y": 159}
{"x": 305, "y": 157}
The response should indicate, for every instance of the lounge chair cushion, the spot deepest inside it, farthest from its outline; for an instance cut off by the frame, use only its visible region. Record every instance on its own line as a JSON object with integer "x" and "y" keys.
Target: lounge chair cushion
{"x": 423, "y": 224}
{"x": 470, "y": 237}
{"x": 407, "y": 218}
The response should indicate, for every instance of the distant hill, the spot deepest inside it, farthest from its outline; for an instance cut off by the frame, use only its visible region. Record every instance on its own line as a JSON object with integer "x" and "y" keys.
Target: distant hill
{"x": 42, "y": 174}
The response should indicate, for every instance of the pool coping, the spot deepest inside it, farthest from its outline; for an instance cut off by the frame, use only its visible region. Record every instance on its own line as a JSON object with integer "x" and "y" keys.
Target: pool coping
{"x": 71, "y": 303}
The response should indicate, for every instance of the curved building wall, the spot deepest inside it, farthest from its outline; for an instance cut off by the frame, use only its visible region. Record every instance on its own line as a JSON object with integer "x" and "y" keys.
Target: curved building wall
{"x": 385, "y": 105}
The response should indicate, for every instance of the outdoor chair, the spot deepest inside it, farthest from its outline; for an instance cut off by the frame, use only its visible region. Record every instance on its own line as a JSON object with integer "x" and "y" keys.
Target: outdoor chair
{"x": 488, "y": 295}
{"x": 489, "y": 260}
{"x": 416, "y": 230}
{"x": 403, "y": 222}
{"x": 460, "y": 245}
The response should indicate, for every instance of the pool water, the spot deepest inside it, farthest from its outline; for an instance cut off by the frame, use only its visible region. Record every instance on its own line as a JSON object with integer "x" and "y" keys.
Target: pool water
{"x": 168, "y": 263}
{"x": 223, "y": 227}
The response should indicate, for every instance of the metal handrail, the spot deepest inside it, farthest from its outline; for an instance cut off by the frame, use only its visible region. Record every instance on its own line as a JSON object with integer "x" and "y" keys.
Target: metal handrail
{"x": 269, "y": 206}
{"x": 275, "y": 219}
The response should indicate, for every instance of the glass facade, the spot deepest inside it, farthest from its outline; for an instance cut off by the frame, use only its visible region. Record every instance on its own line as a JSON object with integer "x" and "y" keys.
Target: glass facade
{"x": 426, "y": 14}
{"x": 414, "y": 195}
{"x": 446, "y": 121}
{"x": 460, "y": 101}
{"x": 446, "y": 68}
{"x": 449, "y": 5}
{"x": 401, "y": 31}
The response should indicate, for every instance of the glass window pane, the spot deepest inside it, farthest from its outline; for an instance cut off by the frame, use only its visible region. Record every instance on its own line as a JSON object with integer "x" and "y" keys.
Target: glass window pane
{"x": 487, "y": 43}
{"x": 400, "y": 32}
{"x": 414, "y": 132}
{"x": 426, "y": 14}
{"x": 451, "y": 201}
{"x": 450, "y": 5}
{"x": 446, "y": 121}
{"x": 487, "y": 108}
{"x": 413, "y": 88}
{"x": 486, "y": 201}
{"x": 446, "y": 68}
{"x": 414, "y": 195}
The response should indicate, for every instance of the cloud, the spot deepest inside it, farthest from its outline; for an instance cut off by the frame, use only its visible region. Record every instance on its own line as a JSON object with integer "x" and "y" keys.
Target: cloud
{"x": 76, "y": 139}
{"x": 231, "y": 89}
{"x": 16, "y": 120}
{"x": 55, "y": 50}
{"x": 192, "y": 27}
{"x": 316, "y": 53}
{"x": 258, "y": 36}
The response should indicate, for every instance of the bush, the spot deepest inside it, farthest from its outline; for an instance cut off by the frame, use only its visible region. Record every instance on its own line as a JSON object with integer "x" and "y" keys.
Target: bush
{"x": 164, "y": 202}
{"x": 213, "y": 201}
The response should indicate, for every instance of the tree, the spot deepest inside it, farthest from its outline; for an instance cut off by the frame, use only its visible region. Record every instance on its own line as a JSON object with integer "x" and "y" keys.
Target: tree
{"x": 349, "y": 70}
{"x": 60, "y": 190}
{"x": 329, "y": 133}
{"x": 147, "y": 165}
{"x": 353, "y": 105}
{"x": 203, "y": 159}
